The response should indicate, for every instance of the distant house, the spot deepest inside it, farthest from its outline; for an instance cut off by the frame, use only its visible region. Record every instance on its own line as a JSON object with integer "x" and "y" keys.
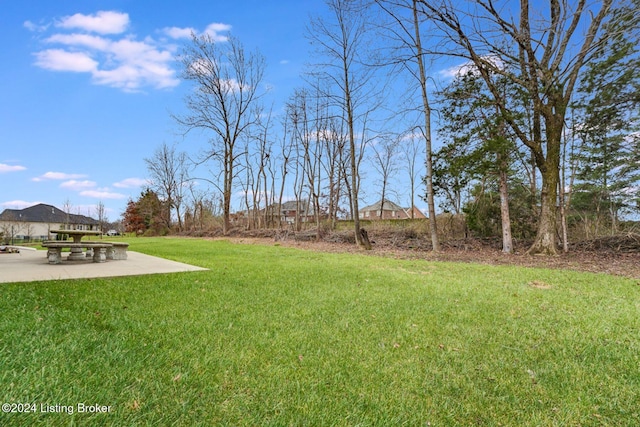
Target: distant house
{"x": 289, "y": 209}
{"x": 285, "y": 213}
{"x": 36, "y": 222}
{"x": 389, "y": 210}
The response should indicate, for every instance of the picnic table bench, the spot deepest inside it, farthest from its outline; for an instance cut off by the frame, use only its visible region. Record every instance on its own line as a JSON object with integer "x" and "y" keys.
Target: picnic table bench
{"x": 99, "y": 251}
{"x": 77, "y": 235}
{"x": 117, "y": 250}
{"x": 54, "y": 250}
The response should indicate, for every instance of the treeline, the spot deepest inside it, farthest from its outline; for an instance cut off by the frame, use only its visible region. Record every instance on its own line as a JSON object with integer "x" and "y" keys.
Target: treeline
{"x": 535, "y": 135}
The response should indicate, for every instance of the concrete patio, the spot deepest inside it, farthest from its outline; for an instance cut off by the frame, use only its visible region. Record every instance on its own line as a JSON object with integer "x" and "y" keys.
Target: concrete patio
{"x": 30, "y": 266}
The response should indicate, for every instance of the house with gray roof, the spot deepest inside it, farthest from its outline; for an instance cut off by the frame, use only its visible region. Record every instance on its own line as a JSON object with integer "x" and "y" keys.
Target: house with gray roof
{"x": 36, "y": 222}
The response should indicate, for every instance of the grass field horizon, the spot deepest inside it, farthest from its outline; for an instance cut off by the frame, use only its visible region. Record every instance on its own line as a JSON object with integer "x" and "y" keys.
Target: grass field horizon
{"x": 280, "y": 336}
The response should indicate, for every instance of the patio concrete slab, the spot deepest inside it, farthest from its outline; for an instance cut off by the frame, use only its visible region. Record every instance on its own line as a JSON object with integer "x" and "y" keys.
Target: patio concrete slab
{"x": 30, "y": 266}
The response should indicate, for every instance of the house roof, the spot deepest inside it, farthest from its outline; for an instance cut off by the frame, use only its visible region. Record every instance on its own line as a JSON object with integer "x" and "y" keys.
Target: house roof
{"x": 387, "y": 206}
{"x": 44, "y": 213}
{"x": 417, "y": 213}
{"x": 390, "y": 206}
{"x": 293, "y": 205}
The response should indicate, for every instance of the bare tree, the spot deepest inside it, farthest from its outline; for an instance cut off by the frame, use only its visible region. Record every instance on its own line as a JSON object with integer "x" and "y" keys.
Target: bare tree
{"x": 309, "y": 118}
{"x": 102, "y": 216}
{"x": 298, "y": 112}
{"x": 406, "y": 15}
{"x": 249, "y": 188}
{"x": 341, "y": 41}
{"x": 314, "y": 155}
{"x": 258, "y": 160}
{"x": 385, "y": 160}
{"x": 168, "y": 172}
{"x": 286, "y": 152}
{"x": 226, "y": 87}
{"x": 542, "y": 52}
{"x": 410, "y": 153}
{"x": 265, "y": 155}
{"x": 67, "y": 207}
{"x": 334, "y": 141}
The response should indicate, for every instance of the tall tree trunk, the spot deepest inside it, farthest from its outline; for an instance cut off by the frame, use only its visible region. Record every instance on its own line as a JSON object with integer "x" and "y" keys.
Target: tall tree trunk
{"x": 353, "y": 162}
{"x": 226, "y": 202}
{"x": 435, "y": 244}
{"x": 562, "y": 198}
{"x": 507, "y": 241}
{"x": 563, "y": 217}
{"x": 384, "y": 189}
{"x": 545, "y": 241}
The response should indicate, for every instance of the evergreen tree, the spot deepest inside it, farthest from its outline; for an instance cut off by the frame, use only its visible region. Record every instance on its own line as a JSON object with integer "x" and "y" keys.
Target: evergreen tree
{"x": 609, "y": 107}
{"x": 479, "y": 147}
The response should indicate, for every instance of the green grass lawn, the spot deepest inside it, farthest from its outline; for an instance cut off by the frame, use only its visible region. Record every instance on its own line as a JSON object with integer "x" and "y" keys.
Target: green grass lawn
{"x": 278, "y": 336}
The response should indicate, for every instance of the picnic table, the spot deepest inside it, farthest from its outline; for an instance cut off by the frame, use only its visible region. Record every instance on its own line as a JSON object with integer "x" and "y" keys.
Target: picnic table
{"x": 77, "y": 235}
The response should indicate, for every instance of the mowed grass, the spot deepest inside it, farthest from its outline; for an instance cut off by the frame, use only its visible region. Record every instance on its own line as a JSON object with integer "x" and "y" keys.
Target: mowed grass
{"x": 277, "y": 336}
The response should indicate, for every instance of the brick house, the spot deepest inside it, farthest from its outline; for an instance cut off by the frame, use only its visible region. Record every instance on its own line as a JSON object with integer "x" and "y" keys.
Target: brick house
{"x": 389, "y": 210}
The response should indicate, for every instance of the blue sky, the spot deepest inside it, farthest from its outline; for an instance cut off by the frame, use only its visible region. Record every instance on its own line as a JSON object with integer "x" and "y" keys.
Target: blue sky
{"x": 89, "y": 87}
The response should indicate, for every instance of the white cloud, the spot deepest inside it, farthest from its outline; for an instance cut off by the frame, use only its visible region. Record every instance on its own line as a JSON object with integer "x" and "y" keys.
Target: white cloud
{"x": 179, "y": 33}
{"x": 133, "y": 64}
{"x": 102, "y": 194}
{"x": 216, "y": 31}
{"x": 61, "y": 60}
{"x": 32, "y": 26}
{"x": 77, "y": 185}
{"x": 119, "y": 61}
{"x": 81, "y": 40}
{"x": 58, "y": 176}
{"x": 9, "y": 168}
{"x": 103, "y": 22}
{"x": 457, "y": 70}
{"x": 469, "y": 67}
{"x": 137, "y": 64}
{"x": 131, "y": 183}
{"x": 99, "y": 44}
